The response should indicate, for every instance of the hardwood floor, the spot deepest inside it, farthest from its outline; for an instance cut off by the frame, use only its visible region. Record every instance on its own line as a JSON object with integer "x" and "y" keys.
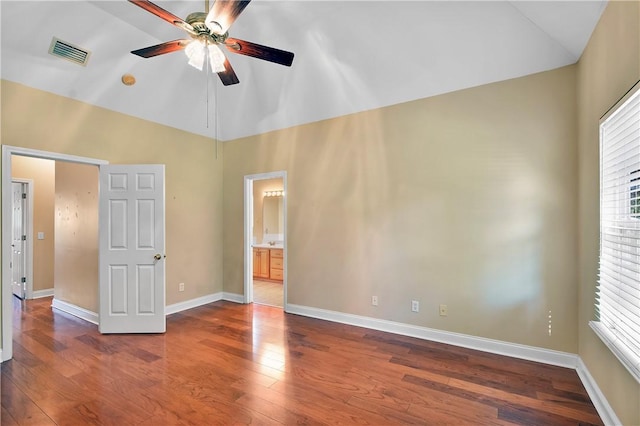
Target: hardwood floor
{"x": 226, "y": 363}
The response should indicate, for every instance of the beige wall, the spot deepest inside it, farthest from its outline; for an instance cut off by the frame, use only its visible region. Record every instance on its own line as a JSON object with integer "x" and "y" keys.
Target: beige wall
{"x": 39, "y": 120}
{"x": 259, "y": 188}
{"x": 76, "y": 227}
{"x": 609, "y": 66}
{"x": 466, "y": 199}
{"x": 42, "y": 172}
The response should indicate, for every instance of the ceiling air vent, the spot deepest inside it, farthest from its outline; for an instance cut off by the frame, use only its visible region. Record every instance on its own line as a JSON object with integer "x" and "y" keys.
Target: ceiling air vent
{"x": 68, "y": 51}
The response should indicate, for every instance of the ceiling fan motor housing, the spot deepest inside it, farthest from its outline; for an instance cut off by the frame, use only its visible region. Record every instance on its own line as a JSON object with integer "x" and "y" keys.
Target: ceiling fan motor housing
{"x": 203, "y": 31}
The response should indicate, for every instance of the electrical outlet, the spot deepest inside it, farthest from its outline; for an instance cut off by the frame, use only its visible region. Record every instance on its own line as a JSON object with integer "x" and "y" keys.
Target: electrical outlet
{"x": 443, "y": 310}
{"x": 415, "y": 306}
{"x": 181, "y": 287}
{"x": 374, "y": 300}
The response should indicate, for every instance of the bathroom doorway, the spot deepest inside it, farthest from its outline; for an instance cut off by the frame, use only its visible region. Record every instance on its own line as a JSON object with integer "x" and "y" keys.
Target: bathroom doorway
{"x": 265, "y": 239}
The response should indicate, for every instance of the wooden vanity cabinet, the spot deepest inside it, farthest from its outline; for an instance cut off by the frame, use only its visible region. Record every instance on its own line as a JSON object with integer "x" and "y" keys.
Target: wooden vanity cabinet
{"x": 276, "y": 264}
{"x": 268, "y": 264}
{"x": 260, "y": 263}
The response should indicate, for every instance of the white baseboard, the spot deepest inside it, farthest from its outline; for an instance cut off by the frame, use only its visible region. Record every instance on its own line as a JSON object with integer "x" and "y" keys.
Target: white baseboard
{"x": 169, "y": 309}
{"x": 531, "y": 353}
{"x": 47, "y": 292}
{"x": 192, "y": 303}
{"x": 605, "y": 411}
{"x": 76, "y": 311}
{"x": 199, "y": 301}
{"x": 233, "y": 297}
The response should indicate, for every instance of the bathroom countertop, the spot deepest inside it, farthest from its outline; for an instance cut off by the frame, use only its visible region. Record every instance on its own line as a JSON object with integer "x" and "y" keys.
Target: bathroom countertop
{"x": 269, "y": 246}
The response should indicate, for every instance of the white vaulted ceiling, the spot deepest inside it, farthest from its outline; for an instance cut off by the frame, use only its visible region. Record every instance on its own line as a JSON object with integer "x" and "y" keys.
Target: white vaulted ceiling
{"x": 350, "y": 56}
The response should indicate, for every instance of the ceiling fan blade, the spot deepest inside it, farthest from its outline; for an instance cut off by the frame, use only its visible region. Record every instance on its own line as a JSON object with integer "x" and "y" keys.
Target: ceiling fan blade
{"x": 228, "y": 76}
{"x": 259, "y": 51}
{"x": 164, "y": 14}
{"x": 224, "y": 12}
{"x": 162, "y": 48}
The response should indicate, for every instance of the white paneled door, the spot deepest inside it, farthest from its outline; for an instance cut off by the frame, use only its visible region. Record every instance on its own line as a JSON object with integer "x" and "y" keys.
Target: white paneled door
{"x": 18, "y": 240}
{"x": 132, "y": 249}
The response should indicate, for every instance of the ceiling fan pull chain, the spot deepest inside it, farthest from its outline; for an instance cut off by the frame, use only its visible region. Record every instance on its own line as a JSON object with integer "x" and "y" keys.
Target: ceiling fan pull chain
{"x": 206, "y": 64}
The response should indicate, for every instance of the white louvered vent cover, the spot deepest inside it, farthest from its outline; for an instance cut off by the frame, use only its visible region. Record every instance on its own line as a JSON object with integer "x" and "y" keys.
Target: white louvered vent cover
{"x": 68, "y": 51}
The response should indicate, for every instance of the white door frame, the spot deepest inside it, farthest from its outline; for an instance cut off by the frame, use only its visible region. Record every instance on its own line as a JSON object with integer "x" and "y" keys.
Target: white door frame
{"x": 248, "y": 233}
{"x": 28, "y": 227}
{"x": 7, "y": 295}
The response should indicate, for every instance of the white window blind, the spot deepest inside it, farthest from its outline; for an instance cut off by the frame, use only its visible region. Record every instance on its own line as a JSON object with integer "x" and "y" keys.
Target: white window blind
{"x": 618, "y": 290}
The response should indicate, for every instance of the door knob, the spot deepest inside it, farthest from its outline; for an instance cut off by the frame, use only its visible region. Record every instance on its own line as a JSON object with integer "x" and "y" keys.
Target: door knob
{"x": 158, "y": 256}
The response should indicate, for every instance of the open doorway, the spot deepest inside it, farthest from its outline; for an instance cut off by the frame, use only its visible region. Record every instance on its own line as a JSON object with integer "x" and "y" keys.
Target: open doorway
{"x": 130, "y": 247}
{"x": 64, "y": 247}
{"x": 38, "y": 247}
{"x": 265, "y": 239}
{"x": 43, "y": 239}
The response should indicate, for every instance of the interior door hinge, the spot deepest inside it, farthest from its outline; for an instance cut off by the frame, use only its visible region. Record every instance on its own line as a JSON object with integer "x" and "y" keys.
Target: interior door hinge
{"x": 24, "y": 196}
{"x": 24, "y": 238}
{"x": 24, "y": 279}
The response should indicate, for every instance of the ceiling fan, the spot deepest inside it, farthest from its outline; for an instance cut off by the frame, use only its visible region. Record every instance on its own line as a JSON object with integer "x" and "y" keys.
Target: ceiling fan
{"x": 208, "y": 31}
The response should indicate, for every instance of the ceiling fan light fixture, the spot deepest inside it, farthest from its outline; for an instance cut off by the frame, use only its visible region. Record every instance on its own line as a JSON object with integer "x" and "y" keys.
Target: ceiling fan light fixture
{"x": 197, "y": 52}
{"x": 216, "y": 58}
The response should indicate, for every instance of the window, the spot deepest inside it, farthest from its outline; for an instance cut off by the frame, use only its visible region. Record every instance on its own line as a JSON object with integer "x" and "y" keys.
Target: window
{"x": 634, "y": 194}
{"x": 617, "y": 320}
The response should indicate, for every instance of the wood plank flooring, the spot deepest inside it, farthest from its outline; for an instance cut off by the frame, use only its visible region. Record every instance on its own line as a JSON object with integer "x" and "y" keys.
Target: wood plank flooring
{"x": 226, "y": 363}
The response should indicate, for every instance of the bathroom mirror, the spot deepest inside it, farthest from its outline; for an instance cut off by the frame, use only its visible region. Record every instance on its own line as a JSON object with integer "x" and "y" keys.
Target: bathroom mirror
{"x": 272, "y": 215}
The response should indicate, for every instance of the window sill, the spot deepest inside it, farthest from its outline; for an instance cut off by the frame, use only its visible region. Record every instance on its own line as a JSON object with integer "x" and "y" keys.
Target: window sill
{"x": 630, "y": 361}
